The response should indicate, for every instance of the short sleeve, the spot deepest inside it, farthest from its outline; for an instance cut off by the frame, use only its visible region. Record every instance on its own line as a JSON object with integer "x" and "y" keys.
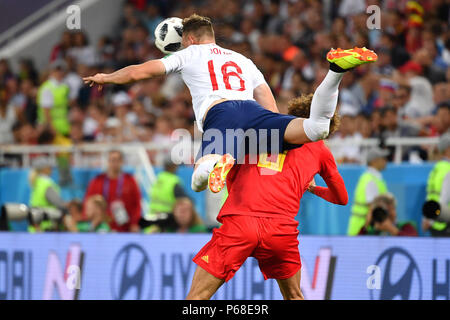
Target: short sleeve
{"x": 176, "y": 61}
{"x": 445, "y": 192}
{"x": 371, "y": 191}
{"x": 258, "y": 77}
{"x": 328, "y": 166}
{"x": 46, "y": 98}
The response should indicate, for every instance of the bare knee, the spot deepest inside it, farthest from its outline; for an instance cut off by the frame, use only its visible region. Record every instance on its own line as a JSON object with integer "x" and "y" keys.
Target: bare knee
{"x": 293, "y": 294}
{"x": 316, "y": 130}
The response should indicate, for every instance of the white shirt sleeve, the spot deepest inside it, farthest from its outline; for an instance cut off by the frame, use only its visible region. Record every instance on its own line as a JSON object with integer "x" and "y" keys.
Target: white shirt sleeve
{"x": 46, "y": 99}
{"x": 371, "y": 191}
{"x": 176, "y": 61}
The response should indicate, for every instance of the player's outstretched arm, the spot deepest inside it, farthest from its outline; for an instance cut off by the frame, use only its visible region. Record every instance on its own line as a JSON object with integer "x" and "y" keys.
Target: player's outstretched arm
{"x": 263, "y": 95}
{"x": 128, "y": 74}
{"x": 335, "y": 193}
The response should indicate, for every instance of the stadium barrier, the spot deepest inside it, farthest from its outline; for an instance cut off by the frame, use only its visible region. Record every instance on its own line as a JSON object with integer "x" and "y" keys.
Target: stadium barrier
{"x": 133, "y": 266}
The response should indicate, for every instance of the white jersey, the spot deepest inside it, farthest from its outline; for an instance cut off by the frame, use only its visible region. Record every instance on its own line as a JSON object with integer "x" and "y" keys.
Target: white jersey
{"x": 212, "y": 73}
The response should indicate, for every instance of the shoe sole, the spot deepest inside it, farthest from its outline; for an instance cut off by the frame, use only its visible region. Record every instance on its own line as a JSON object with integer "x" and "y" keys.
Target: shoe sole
{"x": 217, "y": 177}
{"x": 362, "y": 54}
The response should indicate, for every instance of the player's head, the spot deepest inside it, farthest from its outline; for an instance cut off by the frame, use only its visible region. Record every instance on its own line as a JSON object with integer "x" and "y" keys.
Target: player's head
{"x": 301, "y": 106}
{"x": 196, "y": 30}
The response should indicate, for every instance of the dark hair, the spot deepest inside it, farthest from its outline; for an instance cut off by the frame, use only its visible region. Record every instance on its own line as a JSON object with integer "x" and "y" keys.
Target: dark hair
{"x": 77, "y": 204}
{"x": 198, "y": 26}
{"x": 444, "y": 105}
{"x": 301, "y": 107}
{"x": 387, "y": 109}
{"x": 405, "y": 87}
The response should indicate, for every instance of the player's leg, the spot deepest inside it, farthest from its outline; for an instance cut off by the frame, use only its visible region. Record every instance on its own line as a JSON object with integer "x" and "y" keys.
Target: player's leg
{"x": 290, "y": 288}
{"x": 223, "y": 255}
{"x": 202, "y": 169}
{"x": 324, "y": 102}
{"x": 215, "y": 158}
{"x": 204, "y": 285}
{"x": 323, "y": 106}
{"x": 278, "y": 255}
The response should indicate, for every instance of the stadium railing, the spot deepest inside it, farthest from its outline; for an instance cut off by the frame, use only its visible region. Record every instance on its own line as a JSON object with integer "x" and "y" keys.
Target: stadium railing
{"x": 399, "y": 143}
{"x": 138, "y": 150}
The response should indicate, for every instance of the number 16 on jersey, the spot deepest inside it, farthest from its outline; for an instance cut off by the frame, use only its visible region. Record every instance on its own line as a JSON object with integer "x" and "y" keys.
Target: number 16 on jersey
{"x": 226, "y": 75}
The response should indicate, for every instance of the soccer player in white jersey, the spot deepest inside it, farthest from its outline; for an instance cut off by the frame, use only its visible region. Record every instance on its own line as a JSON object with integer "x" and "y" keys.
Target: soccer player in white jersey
{"x": 229, "y": 92}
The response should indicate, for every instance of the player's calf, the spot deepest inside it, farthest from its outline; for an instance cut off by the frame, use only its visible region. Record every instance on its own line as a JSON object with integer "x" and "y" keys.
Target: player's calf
{"x": 324, "y": 101}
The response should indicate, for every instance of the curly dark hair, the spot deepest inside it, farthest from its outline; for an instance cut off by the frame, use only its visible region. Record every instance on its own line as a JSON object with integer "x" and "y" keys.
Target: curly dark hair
{"x": 301, "y": 106}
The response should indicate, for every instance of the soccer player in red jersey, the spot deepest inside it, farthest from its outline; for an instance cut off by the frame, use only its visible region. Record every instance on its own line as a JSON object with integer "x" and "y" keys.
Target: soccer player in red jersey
{"x": 258, "y": 217}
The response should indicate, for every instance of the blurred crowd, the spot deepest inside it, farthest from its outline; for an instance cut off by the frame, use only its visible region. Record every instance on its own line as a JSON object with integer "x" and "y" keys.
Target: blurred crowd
{"x": 405, "y": 94}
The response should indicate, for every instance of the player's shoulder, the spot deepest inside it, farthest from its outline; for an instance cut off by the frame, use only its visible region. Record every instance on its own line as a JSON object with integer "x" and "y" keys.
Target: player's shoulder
{"x": 235, "y": 54}
{"x": 319, "y": 148}
{"x": 316, "y": 145}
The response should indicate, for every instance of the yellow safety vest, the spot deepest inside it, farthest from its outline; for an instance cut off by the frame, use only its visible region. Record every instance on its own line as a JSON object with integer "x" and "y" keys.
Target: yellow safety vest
{"x": 434, "y": 188}
{"x": 162, "y": 196}
{"x": 360, "y": 206}
{"x": 60, "y": 109}
{"x": 38, "y": 199}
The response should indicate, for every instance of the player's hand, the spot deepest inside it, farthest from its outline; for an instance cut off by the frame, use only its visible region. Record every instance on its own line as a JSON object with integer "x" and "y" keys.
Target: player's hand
{"x": 99, "y": 78}
{"x": 312, "y": 186}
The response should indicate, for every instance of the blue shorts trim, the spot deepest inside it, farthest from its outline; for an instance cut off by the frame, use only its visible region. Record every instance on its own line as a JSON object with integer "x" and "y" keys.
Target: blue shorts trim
{"x": 261, "y": 130}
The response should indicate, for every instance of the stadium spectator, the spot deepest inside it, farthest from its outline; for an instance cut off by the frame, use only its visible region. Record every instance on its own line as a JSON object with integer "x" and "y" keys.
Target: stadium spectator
{"x": 166, "y": 189}
{"x": 59, "y": 50}
{"x": 370, "y": 185}
{"x": 96, "y": 219}
{"x": 121, "y": 193}
{"x": 421, "y": 100}
{"x": 364, "y": 125}
{"x": 27, "y": 113}
{"x": 53, "y": 100}
{"x": 74, "y": 215}
{"x": 441, "y": 121}
{"x": 393, "y": 127}
{"x": 7, "y": 119}
{"x": 438, "y": 190}
{"x": 186, "y": 218}
{"x": 382, "y": 219}
{"x": 347, "y": 149}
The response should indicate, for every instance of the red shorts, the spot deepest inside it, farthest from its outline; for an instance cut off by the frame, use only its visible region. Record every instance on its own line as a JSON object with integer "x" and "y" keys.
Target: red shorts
{"x": 272, "y": 241}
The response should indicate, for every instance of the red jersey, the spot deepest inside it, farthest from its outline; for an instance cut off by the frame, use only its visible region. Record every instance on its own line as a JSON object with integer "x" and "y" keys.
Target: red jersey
{"x": 275, "y": 186}
{"x": 125, "y": 189}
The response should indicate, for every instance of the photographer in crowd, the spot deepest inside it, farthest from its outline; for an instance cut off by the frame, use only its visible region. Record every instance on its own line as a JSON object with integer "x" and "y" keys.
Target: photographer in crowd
{"x": 436, "y": 209}
{"x": 382, "y": 219}
{"x": 370, "y": 185}
{"x": 45, "y": 194}
{"x": 96, "y": 219}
